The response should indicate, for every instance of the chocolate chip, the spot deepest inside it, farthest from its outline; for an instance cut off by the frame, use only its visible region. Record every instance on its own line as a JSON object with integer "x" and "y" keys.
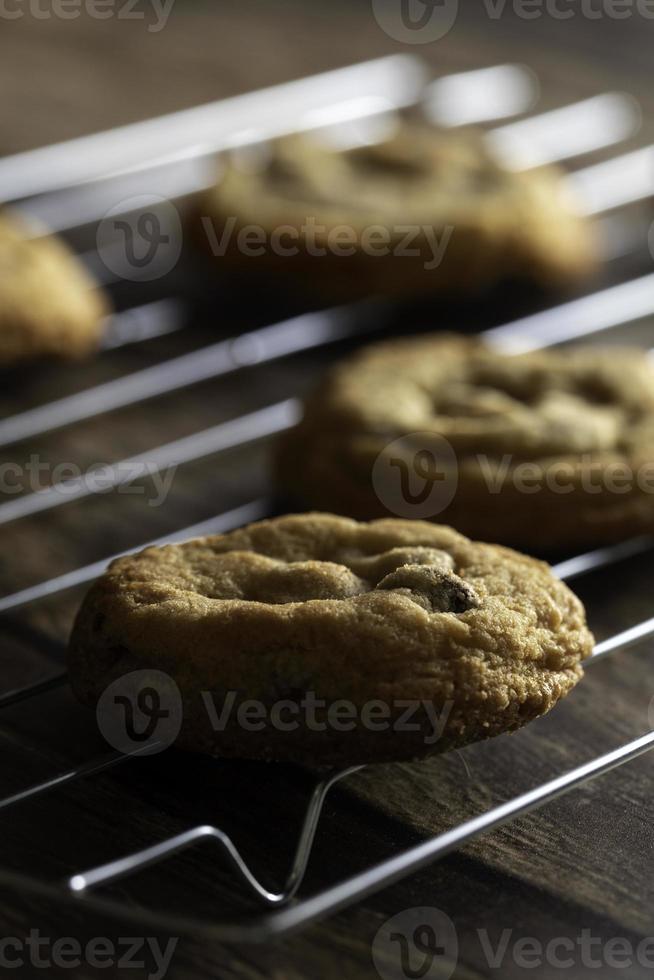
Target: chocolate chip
{"x": 436, "y": 589}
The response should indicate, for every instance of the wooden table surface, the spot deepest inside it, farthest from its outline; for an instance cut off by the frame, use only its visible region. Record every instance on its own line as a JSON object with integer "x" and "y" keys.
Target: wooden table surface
{"x": 585, "y": 862}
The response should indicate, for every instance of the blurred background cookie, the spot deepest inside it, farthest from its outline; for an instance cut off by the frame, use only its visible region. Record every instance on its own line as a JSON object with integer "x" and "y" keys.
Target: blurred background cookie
{"x": 426, "y": 210}
{"x": 49, "y": 305}
{"x": 547, "y": 449}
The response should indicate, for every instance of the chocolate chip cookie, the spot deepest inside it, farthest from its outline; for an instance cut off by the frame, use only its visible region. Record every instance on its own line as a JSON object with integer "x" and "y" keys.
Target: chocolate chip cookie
{"x": 49, "y": 305}
{"x": 425, "y": 210}
{"x": 547, "y": 450}
{"x": 335, "y": 642}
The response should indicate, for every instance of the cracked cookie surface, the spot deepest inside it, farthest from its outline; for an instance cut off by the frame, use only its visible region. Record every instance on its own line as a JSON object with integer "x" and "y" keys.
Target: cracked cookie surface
{"x": 425, "y": 210}
{"x": 49, "y": 305}
{"x": 551, "y": 449}
{"x": 387, "y": 613}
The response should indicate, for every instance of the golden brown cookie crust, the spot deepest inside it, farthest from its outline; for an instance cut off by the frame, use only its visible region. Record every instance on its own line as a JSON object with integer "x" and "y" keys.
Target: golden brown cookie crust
{"x": 427, "y": 185}
{"x": 575, "y": 424}
{"x": 49, "y": 305}
{"x": 393, "y": 611}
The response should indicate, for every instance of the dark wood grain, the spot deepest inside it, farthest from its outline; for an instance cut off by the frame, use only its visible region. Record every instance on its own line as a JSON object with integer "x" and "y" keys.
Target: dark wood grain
{"x": 584, "y": 862}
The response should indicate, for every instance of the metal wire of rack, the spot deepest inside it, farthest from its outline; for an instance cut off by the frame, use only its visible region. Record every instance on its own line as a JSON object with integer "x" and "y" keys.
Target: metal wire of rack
{"x": 609, "y": 120}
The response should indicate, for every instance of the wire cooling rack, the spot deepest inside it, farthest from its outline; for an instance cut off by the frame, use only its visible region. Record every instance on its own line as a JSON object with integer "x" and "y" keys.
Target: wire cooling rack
{"x": 138, "y": 158}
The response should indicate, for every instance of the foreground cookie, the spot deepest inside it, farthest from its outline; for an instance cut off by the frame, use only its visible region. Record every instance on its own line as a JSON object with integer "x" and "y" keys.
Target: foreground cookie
{"x": 49, "y": 306}
{"x": 427, "y": 210}
{"x": 546, "y": 450}
{"x": 339, "y": 642}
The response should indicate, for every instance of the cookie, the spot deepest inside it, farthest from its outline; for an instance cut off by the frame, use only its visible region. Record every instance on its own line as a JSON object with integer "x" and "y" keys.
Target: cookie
{"x": 49, "y": 305}
{"x": 547, "y": 450}
{"x": 341, "y": 643}
{"x": 427, "y": 210}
